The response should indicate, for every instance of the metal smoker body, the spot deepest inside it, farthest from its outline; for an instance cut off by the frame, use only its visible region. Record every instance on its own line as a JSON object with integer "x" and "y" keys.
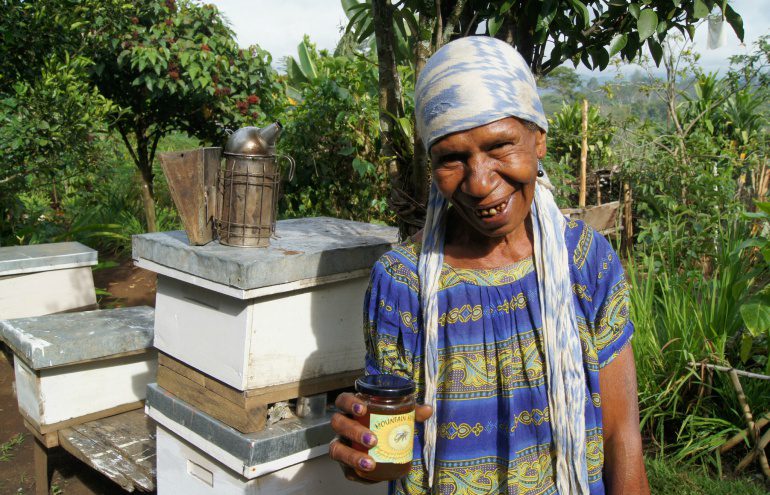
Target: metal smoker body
{"x": 249, "y": 185}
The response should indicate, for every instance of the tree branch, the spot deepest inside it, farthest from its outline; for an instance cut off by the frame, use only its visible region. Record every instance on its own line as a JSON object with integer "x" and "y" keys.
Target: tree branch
{"x": 454, "y": 19}
{"x": 131, "y": 151}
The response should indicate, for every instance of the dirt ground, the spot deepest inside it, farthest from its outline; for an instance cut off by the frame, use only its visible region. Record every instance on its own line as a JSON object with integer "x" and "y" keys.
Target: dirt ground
{"x": 127, "y": 286}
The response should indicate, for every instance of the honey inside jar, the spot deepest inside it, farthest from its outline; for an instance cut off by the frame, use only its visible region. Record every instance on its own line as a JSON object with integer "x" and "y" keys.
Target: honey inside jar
{"x": 390, "y": 416}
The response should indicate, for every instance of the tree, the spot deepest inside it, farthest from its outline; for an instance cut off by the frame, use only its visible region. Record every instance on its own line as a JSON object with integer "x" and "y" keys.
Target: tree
{"x": 175, "y": 66}
{"x": 587, "y": 33}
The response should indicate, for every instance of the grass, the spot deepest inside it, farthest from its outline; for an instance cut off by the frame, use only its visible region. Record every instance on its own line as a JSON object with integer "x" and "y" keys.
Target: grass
{"x": 682, "y": 316}
{"x": 7, "y": 448}
{"x": 667, "y": 478}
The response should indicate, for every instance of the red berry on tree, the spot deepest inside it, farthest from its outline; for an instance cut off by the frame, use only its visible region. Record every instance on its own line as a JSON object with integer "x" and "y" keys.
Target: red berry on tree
{"x": 134, "y": 20}
{"x": 205, "y": 47}
{"x": 253, "y": 99}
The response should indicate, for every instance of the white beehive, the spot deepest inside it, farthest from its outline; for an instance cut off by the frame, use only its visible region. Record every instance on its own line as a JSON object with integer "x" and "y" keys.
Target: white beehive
{"x": 46, "y": 278}
{"x": 81, "y": 366}
{"x": 257, "y": 317}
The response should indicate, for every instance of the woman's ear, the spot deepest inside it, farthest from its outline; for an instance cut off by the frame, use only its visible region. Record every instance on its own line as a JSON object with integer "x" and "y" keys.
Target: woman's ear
{"x": 540, "y": 143}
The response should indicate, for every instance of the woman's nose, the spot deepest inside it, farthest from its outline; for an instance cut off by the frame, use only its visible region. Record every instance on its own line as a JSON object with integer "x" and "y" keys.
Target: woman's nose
{"x": 480, "y": 177}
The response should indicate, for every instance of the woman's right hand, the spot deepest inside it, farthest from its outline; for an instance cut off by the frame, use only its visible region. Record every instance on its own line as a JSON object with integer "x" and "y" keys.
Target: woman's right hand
{"x": 349, "y": 430}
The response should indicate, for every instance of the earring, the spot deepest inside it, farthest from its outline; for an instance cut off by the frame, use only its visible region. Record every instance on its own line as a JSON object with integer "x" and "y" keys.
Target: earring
{"x": 540, "y": 171}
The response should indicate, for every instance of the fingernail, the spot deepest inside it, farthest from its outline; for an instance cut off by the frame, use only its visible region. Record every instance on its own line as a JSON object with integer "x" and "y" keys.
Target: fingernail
{"x": 366, "y": 464}
{"x": 369, "y": 439}
{"x": 358, "y": 409}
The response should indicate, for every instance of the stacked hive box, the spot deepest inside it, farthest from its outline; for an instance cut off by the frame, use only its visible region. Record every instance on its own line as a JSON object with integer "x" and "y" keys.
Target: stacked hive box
{"x": 240, "y": 329}
{"x": 46, "y": 278}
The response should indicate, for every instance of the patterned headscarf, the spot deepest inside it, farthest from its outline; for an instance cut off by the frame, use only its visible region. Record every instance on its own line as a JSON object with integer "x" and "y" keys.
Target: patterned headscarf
{"x": 468, "y": 83}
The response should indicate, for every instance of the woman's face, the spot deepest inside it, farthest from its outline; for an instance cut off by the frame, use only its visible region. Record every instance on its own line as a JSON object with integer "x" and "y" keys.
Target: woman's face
{"x": 488, "y": 173}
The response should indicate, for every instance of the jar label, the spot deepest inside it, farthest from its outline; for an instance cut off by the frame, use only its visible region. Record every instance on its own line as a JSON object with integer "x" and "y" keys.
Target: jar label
{"x": 395, "y": 437}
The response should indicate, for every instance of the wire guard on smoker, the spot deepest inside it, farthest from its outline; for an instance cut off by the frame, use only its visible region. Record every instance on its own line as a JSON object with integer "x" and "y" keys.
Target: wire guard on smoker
{"x": 249, "y": 187}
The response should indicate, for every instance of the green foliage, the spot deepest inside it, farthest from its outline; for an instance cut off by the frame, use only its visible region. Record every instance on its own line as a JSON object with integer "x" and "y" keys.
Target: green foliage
{"x": 48, "y": 133}
{"x": 582, "y": 32}
{"x": 176, "y": 66}
{"x": 332, "y": 133}
{"x": 565, "y": 141}
{"x": 685, "y": 316}
{"x": 668, "y": 478}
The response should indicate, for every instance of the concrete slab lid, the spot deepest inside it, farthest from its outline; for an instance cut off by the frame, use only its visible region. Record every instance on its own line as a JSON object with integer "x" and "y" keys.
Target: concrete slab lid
{"x": 16, "y": 260}
{"x": 279, "y": 440}
{"x": 68, "y": 338}
{"x": 303, "y": 248}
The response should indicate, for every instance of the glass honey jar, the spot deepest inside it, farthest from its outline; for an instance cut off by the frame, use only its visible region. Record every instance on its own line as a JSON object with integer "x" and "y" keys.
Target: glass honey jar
{"x": 390, "y": 416}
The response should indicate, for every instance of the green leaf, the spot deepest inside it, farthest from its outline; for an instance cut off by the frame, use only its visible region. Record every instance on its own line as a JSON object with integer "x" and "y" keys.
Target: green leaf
{"x": 494, "y": 24}
{"x": 747, "y": 344}
{"x": 763, "y": 205}
{"x": 656, "y": 50}
{"x": 618, "y": 43}
{"x": 506, "y": 6}
{"x": 700, "y": 9}
{"x": 347, "y": 151}
{"x": 647, "y": 23}
{"x": 306, "y": 64}
{"x": 600, "y": 58}
{"x": 582, "y": 12}
{"x": 362, "y": 167}
{"x": 756, "y": 317}
{"x": 736, "y": 22}
{"x": 633, "y": 8}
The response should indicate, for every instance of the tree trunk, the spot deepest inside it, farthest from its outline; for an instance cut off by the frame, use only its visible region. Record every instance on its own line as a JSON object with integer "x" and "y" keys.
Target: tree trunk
{"x": 148, "y": 200}
{"x": 390, "y": 107}
{"x": 145, "y": 169}
{"x": 583, "y": 156}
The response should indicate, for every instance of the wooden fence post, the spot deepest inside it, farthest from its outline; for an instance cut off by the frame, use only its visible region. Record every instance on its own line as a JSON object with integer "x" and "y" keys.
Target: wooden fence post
{"x": 583, "y": 157}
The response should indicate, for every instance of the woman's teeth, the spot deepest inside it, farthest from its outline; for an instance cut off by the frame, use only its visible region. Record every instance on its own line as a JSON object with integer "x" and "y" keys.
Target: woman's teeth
{"x": 494, "y": 210}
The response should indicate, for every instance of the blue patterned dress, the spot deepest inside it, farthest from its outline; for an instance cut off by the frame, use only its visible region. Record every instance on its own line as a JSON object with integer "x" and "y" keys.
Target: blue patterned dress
{"x": 493, "y": 435}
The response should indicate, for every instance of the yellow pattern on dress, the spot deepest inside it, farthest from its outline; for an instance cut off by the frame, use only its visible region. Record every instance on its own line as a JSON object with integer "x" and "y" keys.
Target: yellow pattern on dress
{"x": 530, "y": 472}
{"x": 452, "y": 430}
{"x": 583, "y": 246}
{"x": 474, "y": 371}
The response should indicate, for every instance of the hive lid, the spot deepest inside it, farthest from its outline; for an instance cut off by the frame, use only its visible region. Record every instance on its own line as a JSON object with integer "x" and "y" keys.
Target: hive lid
{"x": 15, "y": 260}
{"x": 303, "y": 249}
{"x": 248, "y": 451}
{"x": 68, "y": 338}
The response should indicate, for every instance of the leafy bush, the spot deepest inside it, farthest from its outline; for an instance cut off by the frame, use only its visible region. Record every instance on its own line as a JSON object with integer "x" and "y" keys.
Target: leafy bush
{"x": 332, "y": 133}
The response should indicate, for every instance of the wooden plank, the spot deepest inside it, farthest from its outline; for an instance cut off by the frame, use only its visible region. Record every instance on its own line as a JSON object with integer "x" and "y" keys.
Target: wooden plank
{"x": 263, "y": 395}
{"x": 43, "y": 429}
{"x": 120, "y": 447}
{"x": 49, "y": 440}
{"x": 246, "y": 418}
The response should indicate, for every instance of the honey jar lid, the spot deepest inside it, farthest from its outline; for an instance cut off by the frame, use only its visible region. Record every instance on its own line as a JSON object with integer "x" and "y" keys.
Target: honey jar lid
{"x": 385, "y": 386}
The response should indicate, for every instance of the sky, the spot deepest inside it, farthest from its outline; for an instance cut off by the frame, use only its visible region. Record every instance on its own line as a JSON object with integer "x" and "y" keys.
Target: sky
{"x": 278, "y": 26}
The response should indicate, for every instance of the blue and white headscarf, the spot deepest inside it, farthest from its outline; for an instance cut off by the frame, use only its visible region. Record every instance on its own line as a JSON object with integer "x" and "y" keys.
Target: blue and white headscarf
{"x": 468, "y": 83}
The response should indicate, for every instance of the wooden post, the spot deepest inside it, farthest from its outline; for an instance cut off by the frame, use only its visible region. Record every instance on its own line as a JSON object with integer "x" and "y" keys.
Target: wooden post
{"x": 598, "y": 191}
{"x": 628, "y": 223}
{"x": 42, "y": 473}
{"x": 583, "y": 157}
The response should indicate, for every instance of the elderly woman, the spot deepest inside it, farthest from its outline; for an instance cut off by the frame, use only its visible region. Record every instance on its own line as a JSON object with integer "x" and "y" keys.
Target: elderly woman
{"x": 512, "y": 320}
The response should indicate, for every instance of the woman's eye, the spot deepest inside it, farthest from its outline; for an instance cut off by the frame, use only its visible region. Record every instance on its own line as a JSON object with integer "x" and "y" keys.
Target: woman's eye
{"x": 502, "y": 146}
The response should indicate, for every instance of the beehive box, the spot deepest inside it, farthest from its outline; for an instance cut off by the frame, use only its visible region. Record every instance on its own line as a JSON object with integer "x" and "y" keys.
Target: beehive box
{"x": 198, "y": 455}
{"x": 259, "y": 317}
{"x": 76, "y": 367}
{"x": 46, "y": 278}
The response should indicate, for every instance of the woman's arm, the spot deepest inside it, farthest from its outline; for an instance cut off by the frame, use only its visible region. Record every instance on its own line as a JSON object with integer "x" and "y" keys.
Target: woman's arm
{"x": 624, "y": 472}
